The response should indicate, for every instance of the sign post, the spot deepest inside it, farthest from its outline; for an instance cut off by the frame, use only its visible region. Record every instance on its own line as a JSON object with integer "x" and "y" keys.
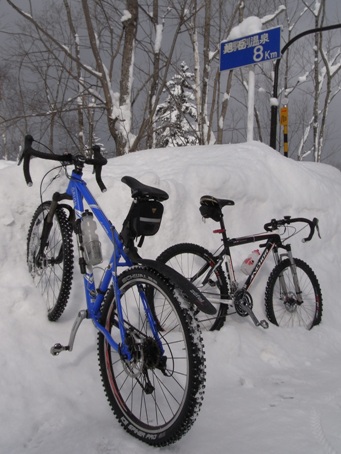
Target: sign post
{"x": 249, "y": 50}
{"x": 284, "y": 122}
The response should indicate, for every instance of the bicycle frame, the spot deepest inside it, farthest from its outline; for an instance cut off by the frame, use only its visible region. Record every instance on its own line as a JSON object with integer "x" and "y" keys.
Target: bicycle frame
{"x": 273, "y": 242}
{"x": 77, "y": 190}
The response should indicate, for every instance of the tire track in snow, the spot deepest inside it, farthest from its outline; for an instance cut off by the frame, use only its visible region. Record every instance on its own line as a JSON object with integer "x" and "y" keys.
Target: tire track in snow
{"x": 319, "y": 433}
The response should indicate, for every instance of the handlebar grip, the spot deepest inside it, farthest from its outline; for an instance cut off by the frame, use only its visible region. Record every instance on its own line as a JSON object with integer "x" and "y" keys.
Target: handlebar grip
{"x": 27, "y": 170}
{"x": 27, "y": 157}
{"x": 312, "y": 224}
{"x": 98, "y": 161}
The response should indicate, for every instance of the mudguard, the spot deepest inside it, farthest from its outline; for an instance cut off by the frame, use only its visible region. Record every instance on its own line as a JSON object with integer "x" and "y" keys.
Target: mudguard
{"x": 193, "y": 295}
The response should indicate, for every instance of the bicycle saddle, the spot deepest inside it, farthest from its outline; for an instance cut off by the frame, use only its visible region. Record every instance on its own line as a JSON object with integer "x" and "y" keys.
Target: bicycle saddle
{"x": 209, "y": 200}
{"x": 140, "y": 190}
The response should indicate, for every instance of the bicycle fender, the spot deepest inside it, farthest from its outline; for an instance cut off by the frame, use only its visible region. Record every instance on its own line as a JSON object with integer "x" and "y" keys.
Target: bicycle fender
{"x": 193, "y": 295}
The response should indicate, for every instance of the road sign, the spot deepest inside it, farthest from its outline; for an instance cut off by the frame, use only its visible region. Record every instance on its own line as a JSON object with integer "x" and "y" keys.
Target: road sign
{"x": 251, "y": 49}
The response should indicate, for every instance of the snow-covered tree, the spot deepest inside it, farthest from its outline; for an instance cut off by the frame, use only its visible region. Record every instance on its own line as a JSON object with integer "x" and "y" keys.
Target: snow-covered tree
{"x": 176, "y": 118}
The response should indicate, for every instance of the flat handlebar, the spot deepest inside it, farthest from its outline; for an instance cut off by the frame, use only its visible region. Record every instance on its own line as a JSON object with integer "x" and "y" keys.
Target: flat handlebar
{"x": 79, "y": 160}
{"x": 275, "y": 223}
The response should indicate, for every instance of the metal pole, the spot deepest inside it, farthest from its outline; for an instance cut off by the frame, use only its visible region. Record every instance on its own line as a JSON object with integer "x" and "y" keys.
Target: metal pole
{"x": 251, "y": 105}
{"x": 274, "y": 108}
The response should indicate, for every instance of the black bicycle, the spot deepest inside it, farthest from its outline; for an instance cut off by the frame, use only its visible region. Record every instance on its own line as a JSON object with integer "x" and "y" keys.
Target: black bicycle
{"x": 293, "y": 294}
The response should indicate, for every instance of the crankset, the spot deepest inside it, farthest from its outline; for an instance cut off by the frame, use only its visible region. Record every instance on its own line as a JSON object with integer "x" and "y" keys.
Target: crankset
{"x": 243, "y": 304}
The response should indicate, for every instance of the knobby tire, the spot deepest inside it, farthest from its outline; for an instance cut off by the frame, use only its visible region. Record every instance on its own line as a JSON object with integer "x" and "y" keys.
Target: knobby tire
{"x": 162, "y": 414}
{"x": 284, "y": 310}
{"x": 53, "y": 275}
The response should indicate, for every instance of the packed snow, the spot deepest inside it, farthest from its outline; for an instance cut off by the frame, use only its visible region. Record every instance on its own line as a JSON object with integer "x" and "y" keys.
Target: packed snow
{"x": 274, "y": 391}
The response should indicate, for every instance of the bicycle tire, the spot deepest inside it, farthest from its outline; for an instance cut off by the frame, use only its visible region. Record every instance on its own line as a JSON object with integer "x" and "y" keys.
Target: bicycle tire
{"x": 162, "y": 413}
{"x": 284, "y": 311}
{"x": 192, "y": 261}
{"x": 53, "y": 275}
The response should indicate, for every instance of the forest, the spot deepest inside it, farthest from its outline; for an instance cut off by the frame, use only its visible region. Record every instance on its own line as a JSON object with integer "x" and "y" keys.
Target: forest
{"x": 144, "y": 74}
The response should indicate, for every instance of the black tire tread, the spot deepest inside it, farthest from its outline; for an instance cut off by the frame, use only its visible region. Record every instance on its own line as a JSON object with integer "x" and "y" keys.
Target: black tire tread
{"x": 66, "y": 232}
{"x": 196, "y": 356}
{"x": 269, "y": 308}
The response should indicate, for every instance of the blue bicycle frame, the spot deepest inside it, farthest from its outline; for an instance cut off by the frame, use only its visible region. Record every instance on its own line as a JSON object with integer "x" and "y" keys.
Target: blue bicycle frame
{"x": 79, "y": 192}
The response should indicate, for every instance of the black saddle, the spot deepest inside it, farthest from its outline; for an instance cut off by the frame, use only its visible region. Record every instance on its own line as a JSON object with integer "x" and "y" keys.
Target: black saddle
{"x": 210, "y": 207}
{"x": 142, "y": 191}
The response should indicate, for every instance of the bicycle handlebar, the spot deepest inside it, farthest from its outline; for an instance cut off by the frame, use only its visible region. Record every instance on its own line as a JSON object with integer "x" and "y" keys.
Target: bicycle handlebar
{"x": 275, "y": 223}
{"x": 98, "y": 161}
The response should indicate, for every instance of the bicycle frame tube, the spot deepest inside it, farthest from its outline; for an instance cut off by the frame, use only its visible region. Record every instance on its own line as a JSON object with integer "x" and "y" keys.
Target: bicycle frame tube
{"x": 79, "y": 192}
{"x": 272, "y": 240}
{"x": 268, "y": 248}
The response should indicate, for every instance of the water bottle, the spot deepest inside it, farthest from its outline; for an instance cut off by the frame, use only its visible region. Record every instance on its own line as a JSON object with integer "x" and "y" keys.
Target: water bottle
{"x": 92, "y": 245}
{"x": 249, "y": 263}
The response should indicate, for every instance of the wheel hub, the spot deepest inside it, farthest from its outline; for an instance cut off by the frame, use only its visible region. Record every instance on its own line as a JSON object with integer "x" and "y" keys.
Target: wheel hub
{"x": 291, "y": 303}
{"x": 145, "y": 355}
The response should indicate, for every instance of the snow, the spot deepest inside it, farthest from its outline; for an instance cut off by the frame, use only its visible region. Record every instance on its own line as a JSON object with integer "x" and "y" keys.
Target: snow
{"x": 303, "y": 78}
{"x": 125, "y": 16}
{"x": 158, "y": 38}
{"x": 268, "y": 391}
{"x": 248, "y": 26}
{"x": 274, "y": 102}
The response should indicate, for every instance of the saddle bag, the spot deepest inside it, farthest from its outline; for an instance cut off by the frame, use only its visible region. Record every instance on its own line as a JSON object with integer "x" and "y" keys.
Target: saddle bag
{"x": 145, "y": 217}
{"x": 210, "y": 211}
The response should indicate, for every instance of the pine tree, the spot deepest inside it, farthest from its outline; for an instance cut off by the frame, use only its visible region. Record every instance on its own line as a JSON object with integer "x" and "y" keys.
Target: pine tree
{"x": 176, "y": 118}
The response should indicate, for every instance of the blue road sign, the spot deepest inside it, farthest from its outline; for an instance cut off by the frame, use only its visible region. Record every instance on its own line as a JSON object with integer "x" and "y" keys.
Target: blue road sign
{"x": 251, "y": 49}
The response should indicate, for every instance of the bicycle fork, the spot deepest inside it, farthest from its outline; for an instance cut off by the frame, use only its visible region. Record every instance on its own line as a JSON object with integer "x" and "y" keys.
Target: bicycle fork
{"x": 283, "y": 285}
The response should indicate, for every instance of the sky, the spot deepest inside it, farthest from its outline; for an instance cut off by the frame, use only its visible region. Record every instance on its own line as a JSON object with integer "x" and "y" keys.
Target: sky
{"x": 274, "y": 391}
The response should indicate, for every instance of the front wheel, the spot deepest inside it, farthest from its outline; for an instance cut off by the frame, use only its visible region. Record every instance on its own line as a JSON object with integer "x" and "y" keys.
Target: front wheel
{"x": 281, "y": 303}
{"x": 157, "y": 394}
{"x": 195, "y": 262}
{"x": 51, "y": 268}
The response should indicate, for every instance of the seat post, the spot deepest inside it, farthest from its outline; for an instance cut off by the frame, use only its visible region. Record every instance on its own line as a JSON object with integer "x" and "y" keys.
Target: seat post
{"x": 223, "y": 228}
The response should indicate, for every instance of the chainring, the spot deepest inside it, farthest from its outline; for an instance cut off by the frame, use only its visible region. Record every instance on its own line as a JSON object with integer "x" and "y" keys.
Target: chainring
{"x": 241, "y": 297}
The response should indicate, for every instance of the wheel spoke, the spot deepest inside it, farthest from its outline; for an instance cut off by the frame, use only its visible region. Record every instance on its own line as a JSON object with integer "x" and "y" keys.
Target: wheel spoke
{"x": 285, "y": 309}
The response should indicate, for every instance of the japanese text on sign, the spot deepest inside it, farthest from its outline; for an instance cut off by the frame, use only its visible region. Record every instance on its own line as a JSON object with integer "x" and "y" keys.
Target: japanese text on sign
{"x": 251, "y": 49}
{"x": 251, "y": 41}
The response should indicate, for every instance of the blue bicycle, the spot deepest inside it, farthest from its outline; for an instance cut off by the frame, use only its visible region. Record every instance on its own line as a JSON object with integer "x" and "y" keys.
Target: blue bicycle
{"x": 150, "y": 347}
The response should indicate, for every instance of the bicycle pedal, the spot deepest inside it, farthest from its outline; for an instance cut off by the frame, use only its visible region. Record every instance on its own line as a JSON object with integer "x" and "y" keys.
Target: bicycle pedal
{"x": 264, "y": 324}
{"x": 57, "y": 348}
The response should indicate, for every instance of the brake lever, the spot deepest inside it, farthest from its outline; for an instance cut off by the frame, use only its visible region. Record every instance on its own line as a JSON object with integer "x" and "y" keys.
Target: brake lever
{"x": 98, "y": 167}
{"x": 316, "y": 223}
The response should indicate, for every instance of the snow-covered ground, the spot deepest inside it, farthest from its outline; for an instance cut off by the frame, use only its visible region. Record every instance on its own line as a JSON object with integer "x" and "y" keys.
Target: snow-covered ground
{"x": 268, "y": 391}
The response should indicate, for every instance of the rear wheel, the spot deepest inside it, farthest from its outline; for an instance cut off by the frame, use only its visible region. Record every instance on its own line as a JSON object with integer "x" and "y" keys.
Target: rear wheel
{"x": 52, "y": 269}
{"x": 281, "y": 303}
{"x": 195, "y": 262}
{"x": 157, "y": 394}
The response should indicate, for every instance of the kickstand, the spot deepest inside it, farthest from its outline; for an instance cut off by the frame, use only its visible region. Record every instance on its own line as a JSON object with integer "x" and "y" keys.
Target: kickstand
{"x": 57, "y": 348}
